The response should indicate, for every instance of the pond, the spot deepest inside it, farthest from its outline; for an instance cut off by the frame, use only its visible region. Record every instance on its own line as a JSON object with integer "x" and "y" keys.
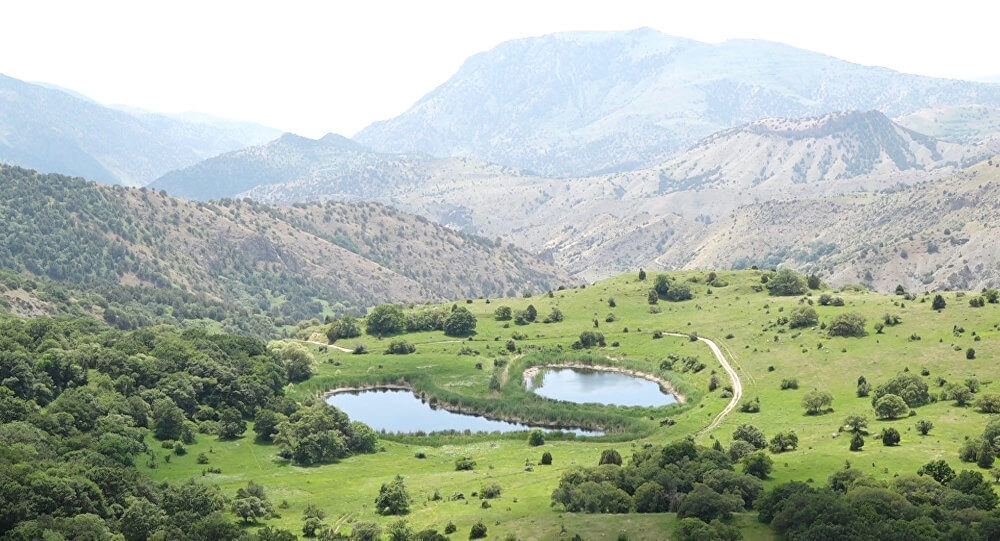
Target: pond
{"x": 583, "y": 386}
{"x": 400, "y": 411}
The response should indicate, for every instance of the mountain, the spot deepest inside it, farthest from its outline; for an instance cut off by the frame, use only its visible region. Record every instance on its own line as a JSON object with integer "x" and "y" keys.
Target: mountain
{"x": 968, "y": 123}
{"x": 933, "y": 235}
{"x": 583, "y": 103}
{"x": 293, "y": 168}
{"x": 49, "y": 129}
{"x": 284, "y": 262}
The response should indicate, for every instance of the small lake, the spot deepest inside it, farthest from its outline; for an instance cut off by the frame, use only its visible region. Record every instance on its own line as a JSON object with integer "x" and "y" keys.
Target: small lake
{"x": 400, "y": 411}
{"x": 596, "y": 386}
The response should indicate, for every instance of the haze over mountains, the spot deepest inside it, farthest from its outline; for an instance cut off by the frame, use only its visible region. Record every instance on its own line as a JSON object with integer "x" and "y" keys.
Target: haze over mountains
{"x": 54, "y": 130}
{"x": 580, "y": 103}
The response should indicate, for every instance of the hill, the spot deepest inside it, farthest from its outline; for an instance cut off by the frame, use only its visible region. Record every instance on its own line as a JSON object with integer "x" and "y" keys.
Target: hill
{"x": 583, "y": 103}
{"x": 52, "y": 130}
{"x": 295, "y": 169}
{"x": 288, "y": 263}
{"x": 968, "y": 124}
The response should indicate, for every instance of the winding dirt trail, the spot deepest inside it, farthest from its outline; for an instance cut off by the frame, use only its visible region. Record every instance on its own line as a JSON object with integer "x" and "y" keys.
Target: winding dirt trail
{"x": 734, "y": 378}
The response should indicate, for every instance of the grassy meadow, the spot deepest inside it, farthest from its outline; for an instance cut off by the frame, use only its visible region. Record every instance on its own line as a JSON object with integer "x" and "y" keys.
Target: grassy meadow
{"x": 742, "y": 320}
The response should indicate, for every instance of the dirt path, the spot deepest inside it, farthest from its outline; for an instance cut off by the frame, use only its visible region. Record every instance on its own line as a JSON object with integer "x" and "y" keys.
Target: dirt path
{"x": 734, "y": 378}
{"x": 334, "y": 346}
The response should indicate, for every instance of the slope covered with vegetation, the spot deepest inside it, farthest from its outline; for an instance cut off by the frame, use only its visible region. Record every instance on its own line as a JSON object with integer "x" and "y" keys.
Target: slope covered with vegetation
{"x": 275, "y": 265}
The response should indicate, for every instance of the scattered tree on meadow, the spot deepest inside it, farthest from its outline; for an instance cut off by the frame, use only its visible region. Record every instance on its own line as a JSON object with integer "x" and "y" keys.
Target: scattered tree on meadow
{"x": 938, "y": 303}
{"x": 385, "y": 320}
{"x": 816, "y": 402}
{"x": 393, "y": 499}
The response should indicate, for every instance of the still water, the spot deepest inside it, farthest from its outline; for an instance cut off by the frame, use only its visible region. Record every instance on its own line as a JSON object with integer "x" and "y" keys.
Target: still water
{"x": 400, "y": 411}
{"x": 592, "y": 386}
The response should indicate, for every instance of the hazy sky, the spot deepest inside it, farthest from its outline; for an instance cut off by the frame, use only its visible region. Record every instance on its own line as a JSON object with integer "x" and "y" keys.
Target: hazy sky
{"x": 317, "y": 67}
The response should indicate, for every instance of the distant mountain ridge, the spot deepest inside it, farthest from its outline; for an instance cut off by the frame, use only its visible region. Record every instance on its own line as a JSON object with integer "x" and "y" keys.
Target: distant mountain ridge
{"x": 52, "y": 130}
{"x": 582, "y": 103}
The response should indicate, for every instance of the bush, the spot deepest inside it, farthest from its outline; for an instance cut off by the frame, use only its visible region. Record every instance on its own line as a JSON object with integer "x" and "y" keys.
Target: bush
{"x": 546, "y": 459}
{"x": 803, "y": 316}
{"x": 751, "y": 435}
{"x": 906, "y": 385}
{"x": 464, "y": 464}
{"x": 589, "y": 339}
{"x": 924, "y": 426}
{"x": 857, "y": 441}
{"x": 751, "y": 406}
{"x": 890, "y": 437}
{"x": 393, "y": 499}
{"x": 536, "y": 438}
{"x": 789, "y": 383}
{"x": 490, "y": 491}
{"x": 478, "y": 530}
{"x": 555, "y": 316}
{"x": 847, "y": 325}
{"x": 784, "y": 441}
{"x": 970, "y": 354}
{"x": 345, "y": 327}
{"x": 610, "y": 456}
{"x": 938, "y": 303}
{"x": 450, "y": 528}
{"x": 758, "y": 465}
{"x": 502, "y": 313}
{"x": 461, "y": 322}
{"x": 989, "y": 403}
{"x": 400, "y": 347}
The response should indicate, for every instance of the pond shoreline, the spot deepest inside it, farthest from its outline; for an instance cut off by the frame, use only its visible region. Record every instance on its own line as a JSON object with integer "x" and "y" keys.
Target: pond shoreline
{"x": 433, "y": 402}
{"x": 665, "y": 385}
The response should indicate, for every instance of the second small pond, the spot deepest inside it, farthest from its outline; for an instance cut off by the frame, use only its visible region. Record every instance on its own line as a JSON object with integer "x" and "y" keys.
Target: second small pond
{"x": 583, "y": 386}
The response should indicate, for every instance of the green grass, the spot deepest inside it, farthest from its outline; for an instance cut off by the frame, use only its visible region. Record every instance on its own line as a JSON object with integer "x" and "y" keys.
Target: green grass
{"x": 737, "y": 318}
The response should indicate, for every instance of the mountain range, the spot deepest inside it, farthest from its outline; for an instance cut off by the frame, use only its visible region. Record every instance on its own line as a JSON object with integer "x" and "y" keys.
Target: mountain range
{"x": 54, "y": 130}
{"x": 584, "y": 103}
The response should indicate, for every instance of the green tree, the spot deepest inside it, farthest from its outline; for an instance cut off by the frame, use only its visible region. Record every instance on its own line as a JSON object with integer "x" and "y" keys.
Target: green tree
{"x": 385, "y": 320}
{"x": 140, "y": 519}
{"x": 924, "y": 426}
{"x": 536, "y": 438}
{"x": 610, "y": 456}
{"x": 803, "y": 316}
{"x": 706, "y": 504}
{"x": 849, "y": 324}
{"x": 985, "y": 456}
{"x": 265, "y": 423}
{"x": 168, "y": 420}
{"x": 251, "y": 503}
{"x": 816, "y": 402}
{"x": 642, "y": 274}
{"x": 890, "y": 406}
{"x": 938, "y": 303}
{"x": 345, "y": 327}
{"x": 461, "y": 322}
{"x": 231, "y": 424}
{"x": 502, "y": 313}
{"x": 478, "y": 530}
{"x": 531, "y": 313}
{"x": 758, "y": 465}
{"x": 890, "y": 437}
{"x": 650, "y": 497}
{"x": 857, "y": 441}
{"x": 786, "y": 283}
{"x": 750, "y": 434}
{"x": 393, "y": 499}
{"x": 939, "y": 470}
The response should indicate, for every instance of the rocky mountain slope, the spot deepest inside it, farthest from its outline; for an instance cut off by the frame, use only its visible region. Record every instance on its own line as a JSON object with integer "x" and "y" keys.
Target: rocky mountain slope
{"x": 283, "y": 261}
{"x": 940, "y": 234}
{"x": 52, "y": 130}
{"x": 583, "y": 103}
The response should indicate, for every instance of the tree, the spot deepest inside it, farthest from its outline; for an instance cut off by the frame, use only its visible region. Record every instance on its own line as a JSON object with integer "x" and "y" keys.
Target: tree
{"x": 385, "y": 320}
{"x": 706, "y": 504}
{"x": 938, "y": 303}
{"x": 554, "y": 317}
{"x": 890, "y": 406}
{"x": 890, "y": 437}
{"x": 231, "y": 424}
{"x": 642, "y": 274}
{"x": 989, "y": 403}
{"x": 786, "y": 283}
{"x": 924, "y": 426}
{"x": 857, "y": 441}
{"x": 502, "y": 313}
{"x": 610, "y": 456}
{"x": 265, "y": 423}
{"x": 939, "y": 470}
{"x": 536, "y": 438}
{"x": 589, "y": 339}
{"x": 251, "y": 503}
{"x": 345, "y": 327}
{"x": 400, "y": 347}
{"x": 365, "y": 531}
{"x": 973, "y": 484}
{"x": 393, "y": 499}
{"x": 531, "y": 312}
{"x": 814, "y": 282}
{"x": 461, "y": 322}
{"x": 168, "y": 420}
{"x": 803, "y": 316}
{"x": 652, "y": 297}
{"x": 650, "y": 497}
{"x": 750, "y": 434}
{"x": 140, "y": 519}
{"x": 400, "y": 531}
{"x": 546, "y": 459}
{"x": 970, "y": 354}
{"x": 758, "y": 465}
{"x": 784, "y": 441}
{"x": 297, "y": 360}
{"x": 906, "y": 385}
{"x": 850, "y": 324}
{"x": 816, "y": 402}
{"x": 985, "y": 456}
{"x": 856, "y": 423}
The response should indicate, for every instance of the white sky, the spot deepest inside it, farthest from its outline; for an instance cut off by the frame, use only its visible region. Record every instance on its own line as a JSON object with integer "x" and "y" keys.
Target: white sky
{"x": 335, "y": 66}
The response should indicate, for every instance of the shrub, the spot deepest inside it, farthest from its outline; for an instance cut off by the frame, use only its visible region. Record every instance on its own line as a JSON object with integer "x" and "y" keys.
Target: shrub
{"x": 751, "y": 406}
{"x": 555, "y": 316}
{"x": 589, "y": 339}
{"x": 751, "y": 435}
{"x": 461, "y": 322}
{"x": 393, "y": 499}
{"x": 345, "y": 327}
{"x": 786, "y": 283}
{"x": 536, "y": 438}
{"x": 906, "y": 385}
{"x": 202, "y": 458}
{"x": 989, "y": 403}
{"x": 464, "y": 463}
{"x": 400, "y": 347}
{"x": 803, "y": 316}
{"x": 970, "y": 354}
{"x": 890, "y": 437}
{"x": 502, "y": 313}
{"x": 385, "y": 320}
{"x": 789, "y": 383}
{"x": 938, "y": 303}
{"x": 546, "y": 459}
{"x": 924, "y": 426}
{"x": 857, "y": 441}
{"x": 610, "y": 456}
{"x": 490, "y": 491}
{"x": 758, "y": 465}
{"x": 450, "y": 528}
{"x": 359, "y": 349}
{"x": 784, "y": 441}
{"x": 478, "y": 530}
{"x": 847, "y": 325}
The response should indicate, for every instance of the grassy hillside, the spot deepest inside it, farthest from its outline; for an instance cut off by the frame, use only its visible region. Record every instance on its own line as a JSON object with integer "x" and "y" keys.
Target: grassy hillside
{"x": 285, "y": 264}
{"x": 737, "y": 312}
